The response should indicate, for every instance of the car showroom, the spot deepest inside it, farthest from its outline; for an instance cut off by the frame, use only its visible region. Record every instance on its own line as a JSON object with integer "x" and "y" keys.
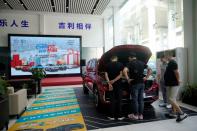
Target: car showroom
{"x": 101, "y": 65}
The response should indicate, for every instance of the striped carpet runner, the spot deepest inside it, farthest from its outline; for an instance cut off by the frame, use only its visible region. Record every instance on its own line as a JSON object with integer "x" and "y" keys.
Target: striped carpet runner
{"x": 56, "y": 109}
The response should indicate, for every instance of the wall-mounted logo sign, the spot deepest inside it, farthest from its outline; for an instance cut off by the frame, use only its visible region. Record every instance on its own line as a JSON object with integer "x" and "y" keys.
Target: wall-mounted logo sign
{"x": 14, "y": 23}
{"x": 74, "y": 26}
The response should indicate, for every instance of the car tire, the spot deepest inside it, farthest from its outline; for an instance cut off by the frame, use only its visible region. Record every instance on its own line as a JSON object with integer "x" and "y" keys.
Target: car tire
{"x": 97, "y": 101}
{"x": 85, "y": 90}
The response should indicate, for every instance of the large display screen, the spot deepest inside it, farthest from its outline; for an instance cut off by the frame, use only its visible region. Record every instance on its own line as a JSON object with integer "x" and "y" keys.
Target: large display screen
{"x": 57, "y": 55}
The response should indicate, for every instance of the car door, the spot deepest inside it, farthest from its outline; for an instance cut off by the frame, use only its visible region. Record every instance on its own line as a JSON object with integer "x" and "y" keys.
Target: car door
{"x": 101, "y": 81}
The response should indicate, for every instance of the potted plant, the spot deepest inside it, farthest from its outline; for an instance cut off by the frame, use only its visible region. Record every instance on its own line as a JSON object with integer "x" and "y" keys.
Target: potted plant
{"x": 189, "y": 95}
{"x": 38, "y": 73}
{"x": 4, "y": 104}
{"x": 3, "y": 88}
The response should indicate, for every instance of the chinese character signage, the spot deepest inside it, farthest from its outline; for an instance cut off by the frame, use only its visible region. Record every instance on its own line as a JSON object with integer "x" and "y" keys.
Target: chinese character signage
{"x": 74, "y": 26}
{"x": 14, "y": 23}
{"x": 61, "y": 25}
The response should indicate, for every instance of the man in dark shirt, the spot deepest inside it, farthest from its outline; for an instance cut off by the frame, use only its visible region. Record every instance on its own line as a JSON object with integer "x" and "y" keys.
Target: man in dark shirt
{"x": 172, "y": 81}
{"x": 134, "y": 74}
{"x": 160, "y": 77}
{"x": 113, "y": 75}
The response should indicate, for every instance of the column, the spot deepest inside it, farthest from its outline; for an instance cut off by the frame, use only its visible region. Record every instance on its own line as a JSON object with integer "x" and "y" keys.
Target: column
{"x": 151, "y": 29}
{"x": 171, "y": 24}
{"x": 189, "y": 21}
{"x": 42, "y": 24}
{"x": 116, "y": 37}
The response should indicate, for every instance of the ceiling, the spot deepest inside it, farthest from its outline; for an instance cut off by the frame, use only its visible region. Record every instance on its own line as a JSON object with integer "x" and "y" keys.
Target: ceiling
{"x": 94, "y": 7}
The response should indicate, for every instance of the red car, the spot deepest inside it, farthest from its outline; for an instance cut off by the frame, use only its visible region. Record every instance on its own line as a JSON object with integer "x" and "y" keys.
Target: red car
{"x": 26, "y": 68}
{"x": 94, "y": 80}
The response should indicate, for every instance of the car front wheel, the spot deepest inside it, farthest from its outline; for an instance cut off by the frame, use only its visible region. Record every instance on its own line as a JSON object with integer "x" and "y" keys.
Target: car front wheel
{"x": 85, "y": 90}
{"x": 97, "y": 99}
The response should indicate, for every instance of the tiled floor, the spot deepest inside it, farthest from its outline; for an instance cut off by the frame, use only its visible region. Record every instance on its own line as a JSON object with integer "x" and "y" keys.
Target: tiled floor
{"x": 188, "y": 124}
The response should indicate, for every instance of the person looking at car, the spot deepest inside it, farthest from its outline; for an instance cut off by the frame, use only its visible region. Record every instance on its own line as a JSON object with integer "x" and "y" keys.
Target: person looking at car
{"x": 172, "y": 81}
{"x": 160, "y": 76}
{"x": 134, "y": 73}
{"x": 113, "y": 76}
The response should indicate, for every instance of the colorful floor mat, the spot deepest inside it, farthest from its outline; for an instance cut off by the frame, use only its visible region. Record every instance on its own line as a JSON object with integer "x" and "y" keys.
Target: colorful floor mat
{"x": 54, "y": 110}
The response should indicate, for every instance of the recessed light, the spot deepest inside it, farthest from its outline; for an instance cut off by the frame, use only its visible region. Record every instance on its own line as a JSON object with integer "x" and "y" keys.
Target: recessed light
{"x": 5, "y": 3}
{"x": 22, "y": 4}
{"x": 67, "y": 7}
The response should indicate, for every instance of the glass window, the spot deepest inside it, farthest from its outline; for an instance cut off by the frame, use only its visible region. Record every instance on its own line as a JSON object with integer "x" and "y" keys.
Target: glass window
{"x": 157, "y": 24}
{"x": 109, "y": 44}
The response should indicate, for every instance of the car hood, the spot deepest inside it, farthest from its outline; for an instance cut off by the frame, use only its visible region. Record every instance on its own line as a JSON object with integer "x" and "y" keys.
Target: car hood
{"x": 143, "y": 53}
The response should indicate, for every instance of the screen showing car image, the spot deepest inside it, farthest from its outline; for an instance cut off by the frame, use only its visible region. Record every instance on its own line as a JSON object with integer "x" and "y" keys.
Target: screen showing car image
{"x": 55, "y": 54}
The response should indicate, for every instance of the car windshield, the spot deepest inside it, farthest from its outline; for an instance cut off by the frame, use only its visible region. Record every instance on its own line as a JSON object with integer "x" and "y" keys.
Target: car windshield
{"x": 152, "y": 65}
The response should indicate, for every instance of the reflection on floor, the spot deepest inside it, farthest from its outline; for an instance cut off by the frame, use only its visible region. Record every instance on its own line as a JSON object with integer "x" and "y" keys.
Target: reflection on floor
{"x": 96, "y": 120}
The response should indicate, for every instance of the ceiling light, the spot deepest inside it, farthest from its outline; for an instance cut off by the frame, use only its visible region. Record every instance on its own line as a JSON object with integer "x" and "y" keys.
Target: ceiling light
{"x": 5, "y": 3}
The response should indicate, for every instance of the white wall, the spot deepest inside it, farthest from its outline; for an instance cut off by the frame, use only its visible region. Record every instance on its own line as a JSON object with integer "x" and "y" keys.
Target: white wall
{"x": 90, "y": 38}
{"x": 47, "y": 23}
{"x": 33, "y": 20}
{"x": 91, "y": 52}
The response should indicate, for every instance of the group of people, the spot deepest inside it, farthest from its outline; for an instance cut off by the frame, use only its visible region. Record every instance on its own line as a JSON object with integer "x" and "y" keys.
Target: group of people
{"x": 133, "y": 72}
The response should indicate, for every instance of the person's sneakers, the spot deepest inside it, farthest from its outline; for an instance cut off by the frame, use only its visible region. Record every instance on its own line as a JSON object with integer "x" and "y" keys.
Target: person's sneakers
{"x": 168, "y": 106}
{"x": 140, "y": 117}
{"x": 133, "y": 117}
{"x": 130, "y": 116}
{"x": 162, "y": 105}
{"x": 172, "y": 115}
{"x": 121, "y": 118}
{"x": 111, "y": 118}
{"x": 181, "y": 117}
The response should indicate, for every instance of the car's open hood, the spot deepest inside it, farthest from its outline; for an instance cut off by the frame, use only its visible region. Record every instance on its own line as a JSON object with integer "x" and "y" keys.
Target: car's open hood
{"x": 143, "y": 53}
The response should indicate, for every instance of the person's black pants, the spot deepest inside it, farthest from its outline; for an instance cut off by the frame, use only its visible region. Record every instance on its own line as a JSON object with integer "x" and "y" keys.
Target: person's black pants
{"x": 116, "y": 101}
